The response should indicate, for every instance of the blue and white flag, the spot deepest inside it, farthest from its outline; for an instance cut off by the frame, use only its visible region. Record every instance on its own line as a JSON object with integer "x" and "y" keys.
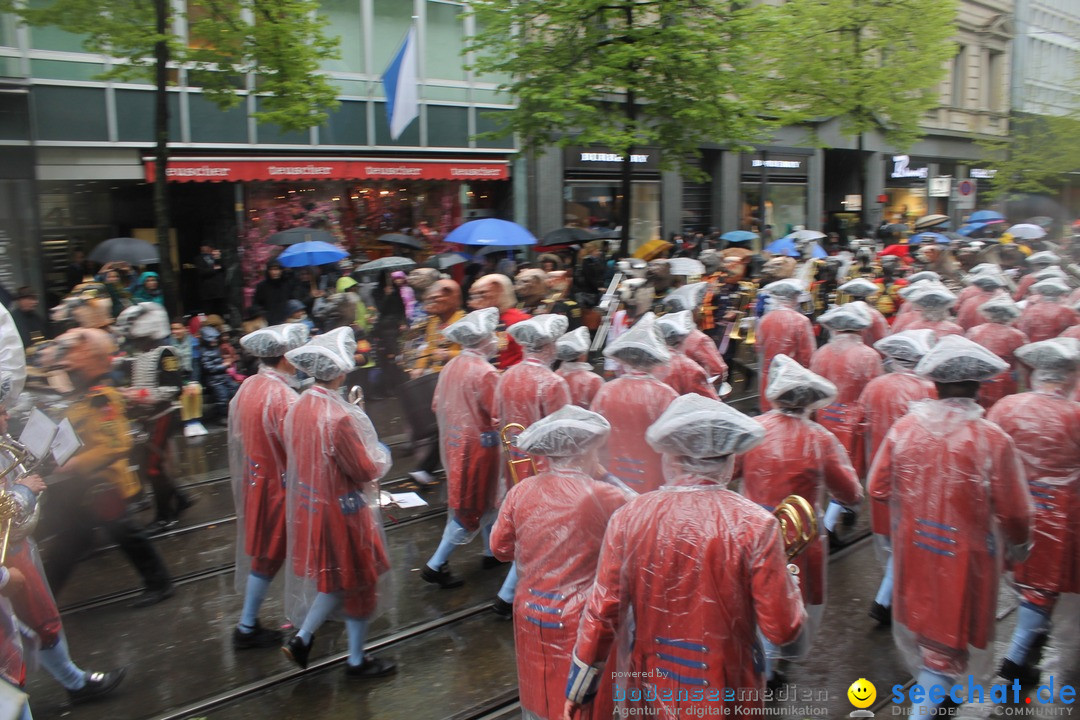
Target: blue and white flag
{"x": 400, "y": 84}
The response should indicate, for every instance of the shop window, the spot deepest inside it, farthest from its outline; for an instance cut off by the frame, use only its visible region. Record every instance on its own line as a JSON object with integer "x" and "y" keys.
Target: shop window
{"x": 344, "y": 22}
{"x": 598, "y": 204}
{"x": 785, "y": 207}
{"x": 345, "y": 126}
{"x": 64, "y": 70}
{"x": 70, "y": 113}
{"x": 392, "y": 21}
{"x": 135, "y": 116}
{"x": 409, "y": 138}
{"x": 487, "y": 121}
{"x": 905, "y": 205}
{"x": 448, "y": 126}
{"x": 211, "y": 124}
{"x": 445, "y": 41}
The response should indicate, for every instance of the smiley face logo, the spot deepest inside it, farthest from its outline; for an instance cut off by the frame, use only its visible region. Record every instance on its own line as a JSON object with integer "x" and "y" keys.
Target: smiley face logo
{"x": 862, "y": 693}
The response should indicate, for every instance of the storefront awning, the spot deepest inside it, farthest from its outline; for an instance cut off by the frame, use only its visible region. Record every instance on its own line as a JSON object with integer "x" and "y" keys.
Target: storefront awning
{"x": 306, "y": 169}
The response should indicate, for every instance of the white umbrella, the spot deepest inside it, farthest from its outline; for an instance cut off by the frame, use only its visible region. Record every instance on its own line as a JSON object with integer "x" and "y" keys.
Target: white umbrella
{"x": 806, "y": 235}
{"x": 1027, "y": 231}
{"x": 687, "y": 267}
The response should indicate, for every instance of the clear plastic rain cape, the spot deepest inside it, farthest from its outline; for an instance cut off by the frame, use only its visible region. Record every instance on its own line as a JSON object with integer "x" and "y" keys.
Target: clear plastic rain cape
{"x": 583, "y": 381}
{"x": 12, "y": 361}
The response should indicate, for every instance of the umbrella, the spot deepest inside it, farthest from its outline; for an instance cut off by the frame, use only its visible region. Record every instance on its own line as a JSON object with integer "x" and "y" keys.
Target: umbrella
{"x": 973, "y": 227}
{"x": 784, "y": 246}
{"x": 1027, "y": 231}
{"x": 494, "y": 249}
{"x": 442, "y": 261}
{"x": 688, "y": 267}
{"x": 313, "y": 252}
{"x": 930, "y": 221}
{"x": 981, "y": 216}
{"x": 804, "y": 235}
{"x": 738, "y": 236}
{"x": 491, "y": 232}
{"x": 1041, "y": 220}
{"x": 652, "y": 249}
{"x": 816, "y": 251}
{"x": 387, "y": 263}
{"x": 569, "y": 236}
{"x": 403, "y": 240}
{"x": 928, "y": 238}
{"x": 299, "y": 235}
{"x": 125, "y": 249}
{"x": 894, "y": 229}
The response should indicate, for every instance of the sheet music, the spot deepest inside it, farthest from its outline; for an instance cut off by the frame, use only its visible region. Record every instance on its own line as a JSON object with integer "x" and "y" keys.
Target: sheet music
{"x": 37, "y": 436}
{"x": 66, "y": 443}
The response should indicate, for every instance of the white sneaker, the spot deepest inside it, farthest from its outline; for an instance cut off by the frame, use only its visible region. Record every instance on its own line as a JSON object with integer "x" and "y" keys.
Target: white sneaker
{"x": 423, "y": 477}
{"x": 189, "y": 431}
{"x": 195, "y": 429}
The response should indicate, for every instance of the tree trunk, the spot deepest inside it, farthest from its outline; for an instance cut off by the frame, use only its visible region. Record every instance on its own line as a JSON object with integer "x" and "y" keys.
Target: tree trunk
{"x": 630, "y": 112}
{"x": 161, "y": 159}
{"x": 862, "y": 186}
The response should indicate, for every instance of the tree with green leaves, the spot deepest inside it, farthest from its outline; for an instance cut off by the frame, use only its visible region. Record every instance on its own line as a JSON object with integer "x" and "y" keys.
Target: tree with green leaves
{"x": 627, "y": 74}
{"x": 271, "y": 47}
{"x": 1037, "y": 157}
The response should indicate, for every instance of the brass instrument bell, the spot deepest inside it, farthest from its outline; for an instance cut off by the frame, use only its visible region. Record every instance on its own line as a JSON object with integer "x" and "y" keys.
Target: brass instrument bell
{"x": 23, "y": 463}
{"x": 509, "y": 440}
{"x": 798, "y": 527}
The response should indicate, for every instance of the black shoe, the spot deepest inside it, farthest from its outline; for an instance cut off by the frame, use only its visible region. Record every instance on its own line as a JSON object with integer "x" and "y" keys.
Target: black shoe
{"x": 297, "y": 651}
{"x": 441, "y": 577}
{"x": 184, "y": 501}
{"x": 154, "y": 596}
{"x": 847, "y": 519}
{"x": 881, "y": 613}
{"x": 159, "y": 526}
{"x": 97, "y": 684}
{"x": 259, "y": 637}
{"x": 777, "y": 681}
{"x": 490, "y": 562}
{"x": 502, "y": 608}
{"x": 372, "y": 667}
{"x": 835, "y": 543}
{"x": 1027, "y": 676}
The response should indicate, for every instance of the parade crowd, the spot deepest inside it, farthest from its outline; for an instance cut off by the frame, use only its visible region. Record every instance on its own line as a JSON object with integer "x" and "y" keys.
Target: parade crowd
{"x": 650, "y": 533}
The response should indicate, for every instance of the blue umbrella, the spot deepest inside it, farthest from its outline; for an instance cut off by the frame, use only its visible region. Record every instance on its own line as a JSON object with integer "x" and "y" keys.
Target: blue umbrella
{"x": 491, "y": 232}
{"x": 816, "y": 251}
{"x": 314, "y": 252}
{"x": 738, "y": 236}
{"x": 970, "y": 228}
{"x": 981, "y": 216}
{"x": 783, "y": 246}
{"x": 930, "y": 238}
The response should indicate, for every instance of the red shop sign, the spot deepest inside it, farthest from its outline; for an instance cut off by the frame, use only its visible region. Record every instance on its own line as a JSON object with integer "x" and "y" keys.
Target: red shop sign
{"x": 285, "y": 169}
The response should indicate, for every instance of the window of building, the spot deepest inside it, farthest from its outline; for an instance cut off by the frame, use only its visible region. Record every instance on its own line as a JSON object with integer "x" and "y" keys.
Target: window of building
{"x": 959, "y": 77}
{"x": 995, "y": 80}
{"x": 392, "y": 19}
{"x": 53, "y": 38}
{"x": 445, "y": 41}
{"x": 598, "y": 204}
{"x": 344, "y": 22}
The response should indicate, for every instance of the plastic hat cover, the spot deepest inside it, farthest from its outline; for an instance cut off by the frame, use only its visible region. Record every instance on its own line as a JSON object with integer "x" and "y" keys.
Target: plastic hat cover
{"x": 933, "y": 295}
{"x": 699, "y": 427}
{"x": 1000, "y": 309}
{"x": 688, "y": 297}
{"x": 956, "y": 359}
{"x": 674, "y": 327}
{"x": 1059, "y": 354}
{"x": 144, "y": 320}
{"x": 474, "y": 328}
{"x": 923, "y": 275}
{"x": 640, "y": 346}
{"x": 793, "y": 386}
{"x": 326, "y": 356}
{"x": 573, "y": 345}
{"x": 1044, "y": 257}
{"x": 985, "y": 268}
{"x": 1051, "y": 273}
{"x": 909, "y": 290}
{"x": 567, "y": 432}
{"x": 908, "y": 346}
{"x": 788, "y": 288}
{"x": 989, "y": 280}
{"x": 850, "y": 317}
{"x": 276, "y": 340}
{"x": 1051, "y": 287}
{"x": 539, "y": 331}
{"x": 859, "y": 287}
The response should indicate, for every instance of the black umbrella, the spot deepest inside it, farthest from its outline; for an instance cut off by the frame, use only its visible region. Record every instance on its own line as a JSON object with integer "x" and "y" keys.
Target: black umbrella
{"x": 299, "y": 235}
{"x": 442, "y": 261}
{"x": 125, "y": 249}
{"x": 569, "y": 236}
{"x": 403, "y": 240}
{"x": 896, "y": 228}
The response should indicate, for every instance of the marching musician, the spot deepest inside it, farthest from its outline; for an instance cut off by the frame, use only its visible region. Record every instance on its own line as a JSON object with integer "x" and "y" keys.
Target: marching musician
{"x": 955, "y": 507}
{"x": 883, "y": 401}
{"x": 862, "y": 291}
{"x": 698, "y": 346}
{"x": 1045, "y": 425}
{"x": 1046, "y": 315}
{"x": 987, "y": 285}
{"x": 681, "y": 373}
{"x": 552, "y": 526}
{"x": 633, "y": 402}
{"x": 658, "y": 277}
{"x": 931, "y": 301}
{"x": 687, "y": 577}
{"x": 543, "y": 293}
{"x": 729, "y": 295}
{"x": 465, "y": 405}
{"x": 999, "y": 335}
{"x": 336, "y": 545}
{"x": 257, "y": 463}
{"x": 799, "y": 457}
{"x": 1036, "y": 262}
{"x": 497, "y": 291}
{"x": 572, "y": 350}
{"x": 908, "y": 312}
{"x": 783, "y": 330}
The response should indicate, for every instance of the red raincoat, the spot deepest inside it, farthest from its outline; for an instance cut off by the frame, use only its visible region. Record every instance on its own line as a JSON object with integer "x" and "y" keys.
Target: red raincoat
{"x": 967, "y": 311}
{"x": 1024, "y": 285}
{"x": 1002, "y": 340}
{"x": 527, "y": 392}
{"x": 552, "y": 526}
{"x": 701, "y": 348}
{"x": 955, "y": 499}
{"x": 702, "y": 570}
{"x": 878, "y": 329}
{"x": 1046, "y": 319}
{"x": 941, "y": 328}
{"x": 800, "y": 457}
{"x": 782, "y": 331}
{"x": 464, "y": 405}
{"x": 631, "y": 404}
{"x": 683, "y": 375}
{"x": 1046, "y": 430}
{"x": 849, "y": 365}
{"x": 257, "y": 450}
{"x": 510, "y": 352}
{"x": 583, "y": 382}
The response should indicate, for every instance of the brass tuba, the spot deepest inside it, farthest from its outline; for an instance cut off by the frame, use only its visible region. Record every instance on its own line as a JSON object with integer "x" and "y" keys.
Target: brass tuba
{"x": 356, "y": 396}
{"x": 509, "y": 440}
{"x": 13, "y": 519}
{"x": 798, "y": 527}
